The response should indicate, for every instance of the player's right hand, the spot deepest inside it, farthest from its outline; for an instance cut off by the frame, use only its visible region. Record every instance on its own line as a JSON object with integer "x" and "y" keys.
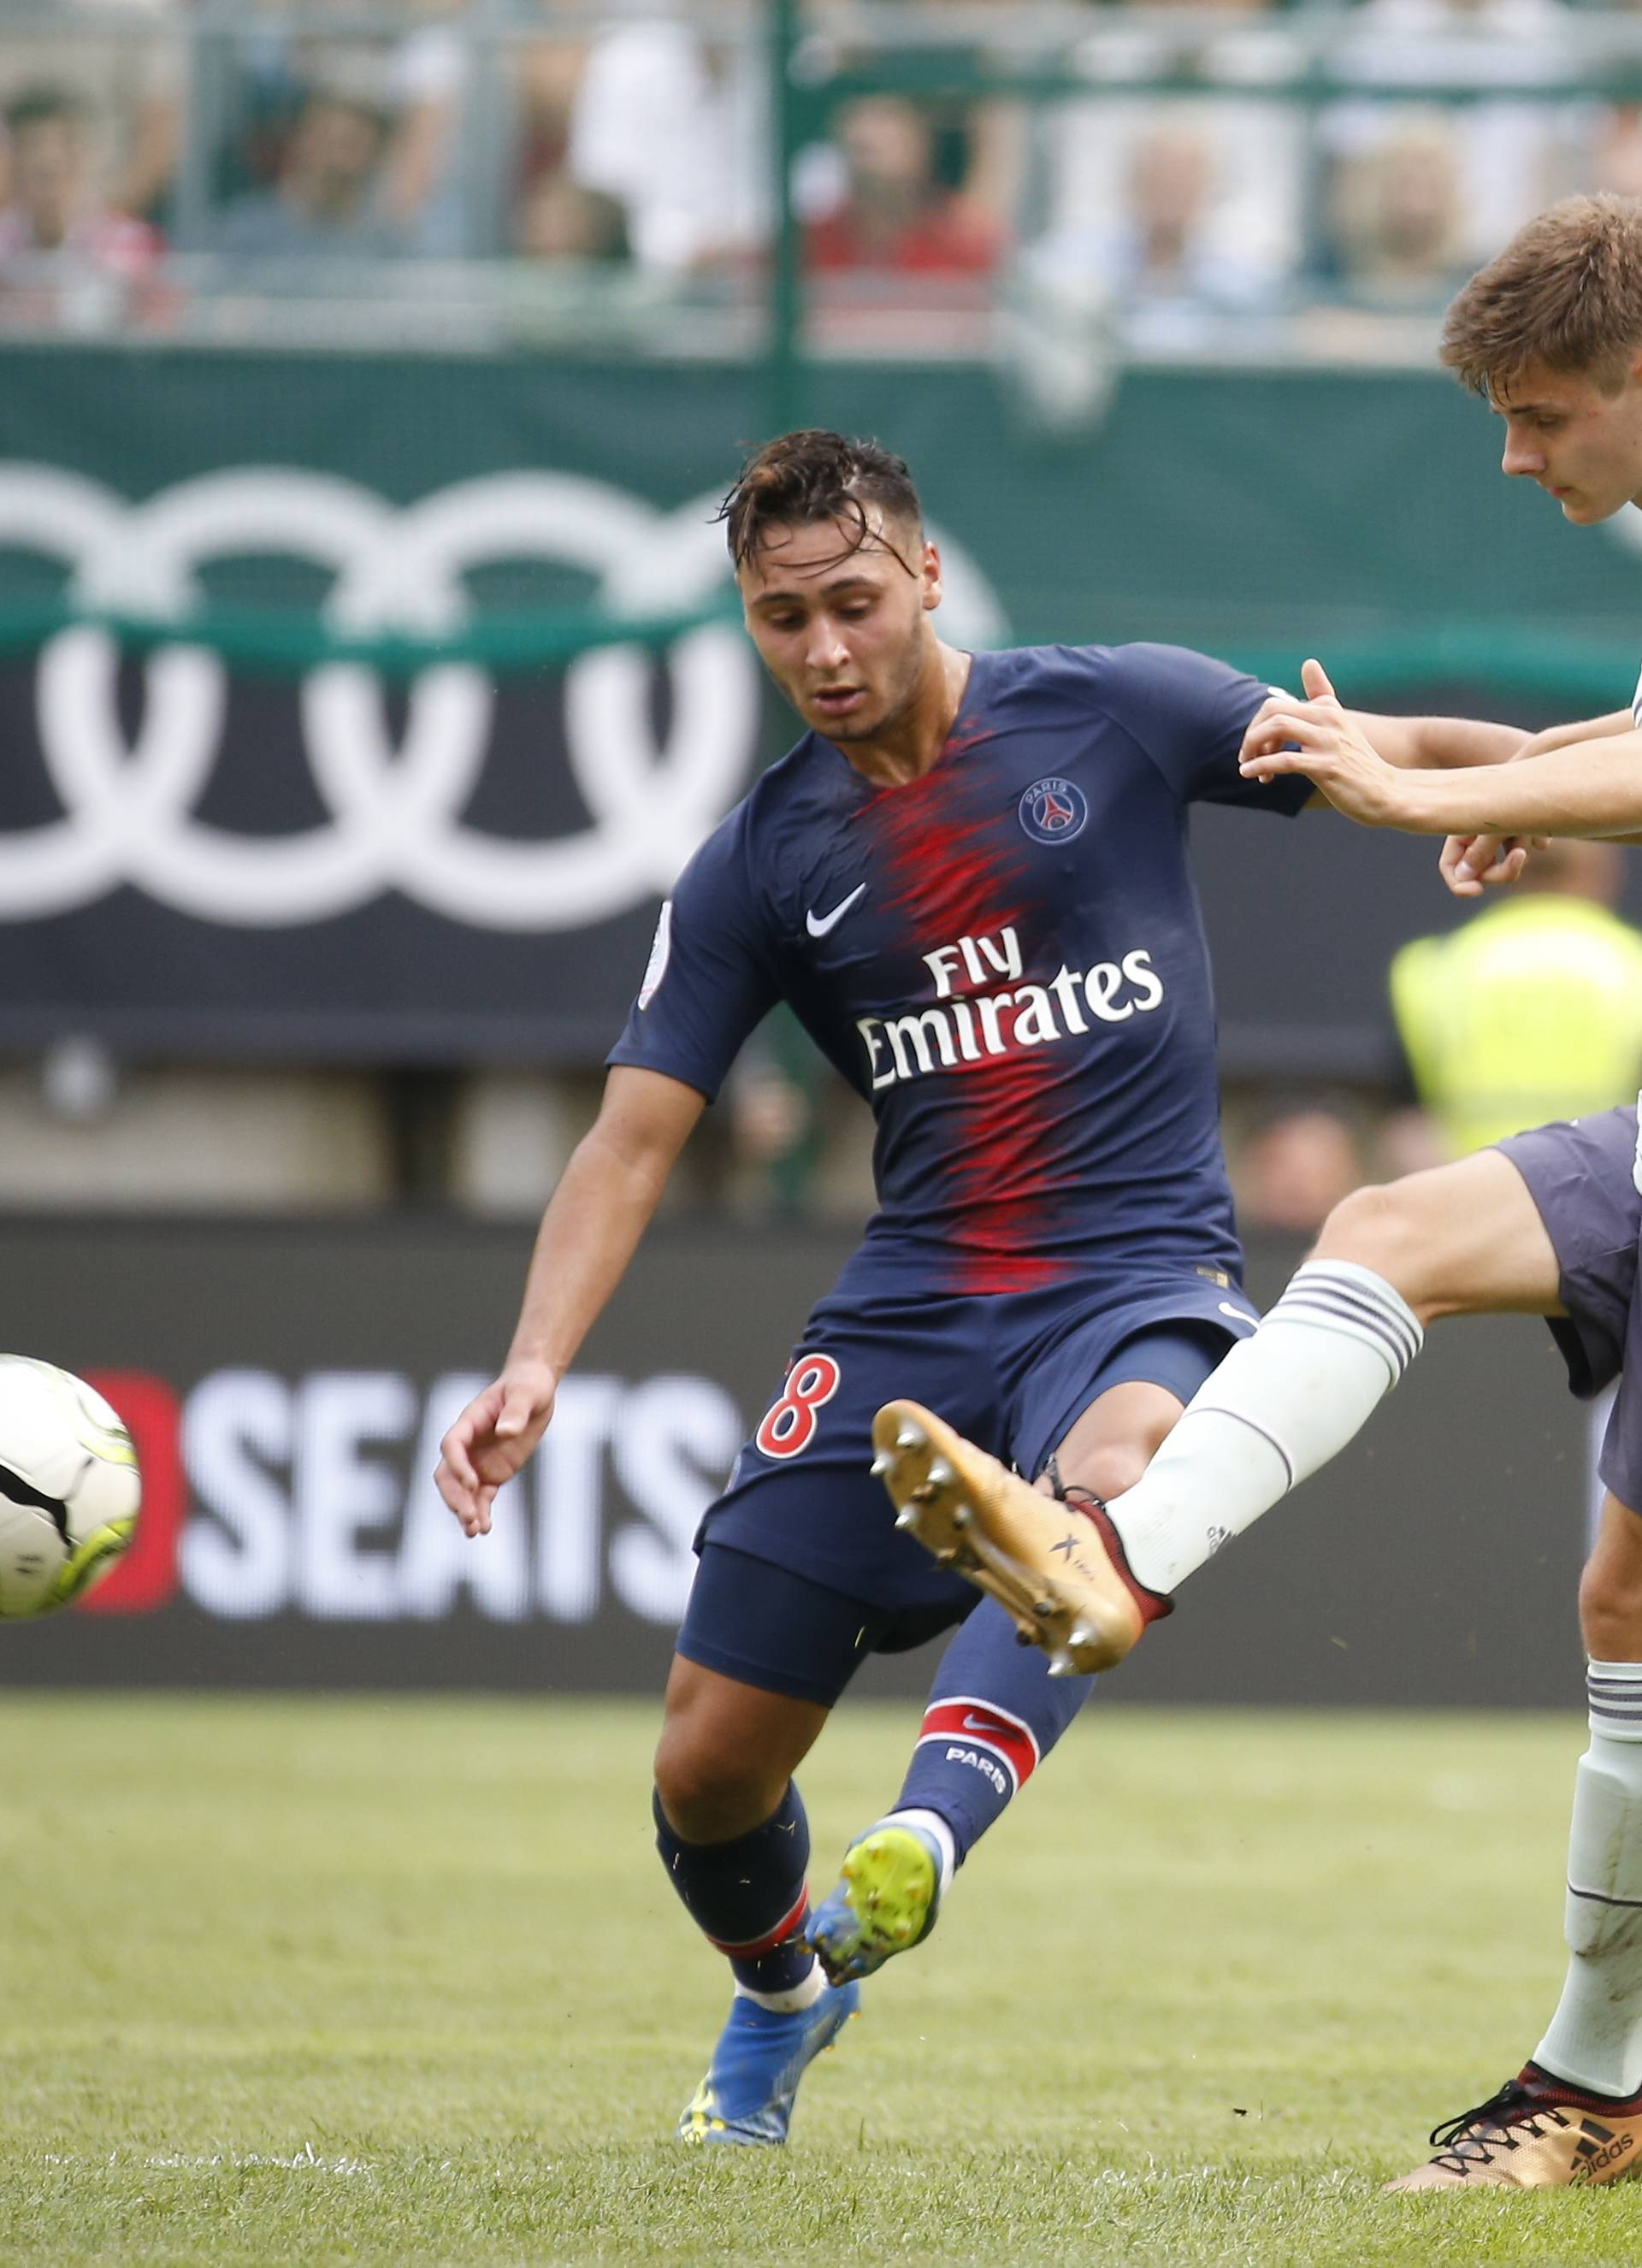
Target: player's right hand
{"x": 492, "y": 1438}
{"x": 1470, "y": 864}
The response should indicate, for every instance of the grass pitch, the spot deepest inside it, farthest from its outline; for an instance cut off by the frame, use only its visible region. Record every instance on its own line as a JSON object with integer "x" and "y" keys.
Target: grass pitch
{"x": 401, "y": 1981}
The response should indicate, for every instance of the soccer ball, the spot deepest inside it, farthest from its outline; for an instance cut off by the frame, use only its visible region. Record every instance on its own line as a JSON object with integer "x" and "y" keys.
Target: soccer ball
{"x": 69, "y": 1487}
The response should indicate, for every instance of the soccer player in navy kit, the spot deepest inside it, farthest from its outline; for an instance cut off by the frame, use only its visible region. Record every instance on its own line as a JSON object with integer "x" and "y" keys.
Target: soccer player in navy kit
{"x": 969, "y": 880}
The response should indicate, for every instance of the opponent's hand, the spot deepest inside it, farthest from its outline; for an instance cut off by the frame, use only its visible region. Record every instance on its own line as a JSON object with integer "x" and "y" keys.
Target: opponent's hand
{"x": 1259, "y": 739}
{"x": 1470, "y": 864}
{"x": 492, "y": 1438}
{"x": 1319, "y": 740}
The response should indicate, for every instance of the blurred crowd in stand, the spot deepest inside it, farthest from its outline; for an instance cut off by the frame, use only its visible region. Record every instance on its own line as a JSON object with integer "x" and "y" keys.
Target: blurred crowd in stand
{"x": 574, "y": 137}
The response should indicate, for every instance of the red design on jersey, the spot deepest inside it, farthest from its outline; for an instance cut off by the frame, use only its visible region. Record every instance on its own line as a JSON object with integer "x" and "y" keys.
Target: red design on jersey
{"x": 789, "y": 1423}
{"x": 958, "y": 866}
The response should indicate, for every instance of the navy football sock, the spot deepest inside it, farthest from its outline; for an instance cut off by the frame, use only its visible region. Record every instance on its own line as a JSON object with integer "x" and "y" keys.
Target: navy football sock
{"x": 994, "y": 1712}
{"x": 748, "y": 1895}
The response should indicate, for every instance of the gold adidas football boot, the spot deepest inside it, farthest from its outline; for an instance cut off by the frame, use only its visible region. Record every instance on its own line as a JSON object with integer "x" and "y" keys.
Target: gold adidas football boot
{"x": 1054, "y": 1564}
{"x": 1536, "y": 2133}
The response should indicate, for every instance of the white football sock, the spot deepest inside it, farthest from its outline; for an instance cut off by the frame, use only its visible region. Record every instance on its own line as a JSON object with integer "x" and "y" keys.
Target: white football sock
{"x": 1280, "y": 1405}
{"x": 802, "y": 1995}
{"x": 1595, "y": 2036}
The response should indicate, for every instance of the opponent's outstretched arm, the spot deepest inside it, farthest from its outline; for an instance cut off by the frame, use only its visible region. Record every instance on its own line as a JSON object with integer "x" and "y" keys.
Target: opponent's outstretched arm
{"x": 1471, "y": 863}
{"x": 1565, "y": 736}
{"x": 589, "y": 1232}
{"x": 1432, "y": 743}
{"x": 1409, "y": 743}
{"x": 1591, "y": 786}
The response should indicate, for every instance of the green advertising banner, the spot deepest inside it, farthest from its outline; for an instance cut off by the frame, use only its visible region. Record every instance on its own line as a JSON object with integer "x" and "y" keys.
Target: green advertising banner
{"x": 1253, "y": 512}
{"x": 444, "y": 837}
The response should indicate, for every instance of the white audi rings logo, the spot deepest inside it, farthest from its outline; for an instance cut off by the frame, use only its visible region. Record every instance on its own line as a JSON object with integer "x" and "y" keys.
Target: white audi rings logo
{"x": 396, "y": 810}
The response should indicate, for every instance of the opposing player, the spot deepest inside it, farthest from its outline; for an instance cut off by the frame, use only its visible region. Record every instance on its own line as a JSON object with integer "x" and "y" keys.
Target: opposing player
{"x": 1546, "y": 1223}
{"x": 969, "y": 880}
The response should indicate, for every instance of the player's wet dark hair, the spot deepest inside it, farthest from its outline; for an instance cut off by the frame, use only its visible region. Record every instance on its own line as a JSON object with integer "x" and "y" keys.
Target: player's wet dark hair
{"x": 813, "y": 474}
{"x": 1567, "y": 291}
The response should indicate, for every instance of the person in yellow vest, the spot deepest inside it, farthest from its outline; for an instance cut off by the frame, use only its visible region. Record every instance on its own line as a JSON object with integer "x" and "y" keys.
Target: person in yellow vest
{"x": 1532, "y": 1010}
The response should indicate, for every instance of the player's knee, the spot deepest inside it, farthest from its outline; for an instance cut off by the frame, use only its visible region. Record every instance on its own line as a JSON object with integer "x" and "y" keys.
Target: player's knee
{"x": 1610, "y": 1605}
{"x": 1110, "y": 1469}
{"x": 1378, "y": 1227}
{"x": 711, "y": 1789}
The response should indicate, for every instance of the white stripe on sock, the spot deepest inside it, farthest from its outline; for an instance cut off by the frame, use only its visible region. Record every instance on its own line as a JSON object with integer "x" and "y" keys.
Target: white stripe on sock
{"x": 1340, "y": 1295}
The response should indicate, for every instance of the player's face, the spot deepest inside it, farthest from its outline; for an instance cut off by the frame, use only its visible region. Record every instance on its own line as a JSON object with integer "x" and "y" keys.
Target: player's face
{"x": 1583, "y": 445}
{"x": 844, "y": 625}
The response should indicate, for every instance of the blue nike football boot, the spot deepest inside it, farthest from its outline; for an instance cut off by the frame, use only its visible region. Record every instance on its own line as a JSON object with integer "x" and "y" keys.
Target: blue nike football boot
{"x": 886, "y": 1899}
{"x": 747, "y": 2094}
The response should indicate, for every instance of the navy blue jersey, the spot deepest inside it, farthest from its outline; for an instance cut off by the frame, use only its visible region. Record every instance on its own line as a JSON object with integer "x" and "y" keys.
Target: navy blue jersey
{"x": 1004, "y": 958}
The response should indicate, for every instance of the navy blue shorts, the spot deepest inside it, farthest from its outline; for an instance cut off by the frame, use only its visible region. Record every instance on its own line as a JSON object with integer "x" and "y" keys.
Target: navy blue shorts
{"x": 763, "y": 1625}
{"x": 1579, "y": 1174}
{"x": 802, "y": 1497}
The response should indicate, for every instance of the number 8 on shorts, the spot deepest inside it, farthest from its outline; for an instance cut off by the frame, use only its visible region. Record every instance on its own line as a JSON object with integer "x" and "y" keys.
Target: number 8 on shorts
{"x": 789, "y": 1423}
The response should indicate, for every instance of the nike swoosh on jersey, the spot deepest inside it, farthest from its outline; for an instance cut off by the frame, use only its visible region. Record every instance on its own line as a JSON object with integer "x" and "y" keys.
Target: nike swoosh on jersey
{"x": 819, "y": 924}
{"x": 1237, "y": 1315}
{"x": 970, "y": 1723}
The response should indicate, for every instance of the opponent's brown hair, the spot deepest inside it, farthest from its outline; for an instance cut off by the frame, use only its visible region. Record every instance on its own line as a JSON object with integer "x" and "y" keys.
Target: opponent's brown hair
{"x": 1567, "y": 291}
{"x": 815, "y": 474}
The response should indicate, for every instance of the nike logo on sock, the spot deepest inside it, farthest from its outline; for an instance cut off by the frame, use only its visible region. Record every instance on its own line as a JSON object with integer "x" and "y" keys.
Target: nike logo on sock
{"x": 819, "y": 924}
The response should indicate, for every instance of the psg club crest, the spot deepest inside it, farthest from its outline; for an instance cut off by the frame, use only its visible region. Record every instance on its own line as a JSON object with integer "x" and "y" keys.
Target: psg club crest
{"x": 1053, "y": 811}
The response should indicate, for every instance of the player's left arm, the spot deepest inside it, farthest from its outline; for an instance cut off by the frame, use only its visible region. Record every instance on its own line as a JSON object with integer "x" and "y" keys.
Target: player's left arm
{"x": 1584, "y": 787}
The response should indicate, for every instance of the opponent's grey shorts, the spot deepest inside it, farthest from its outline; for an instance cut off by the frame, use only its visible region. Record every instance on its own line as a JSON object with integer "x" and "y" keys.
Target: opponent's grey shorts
{"x": 1579, "y": 1175}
